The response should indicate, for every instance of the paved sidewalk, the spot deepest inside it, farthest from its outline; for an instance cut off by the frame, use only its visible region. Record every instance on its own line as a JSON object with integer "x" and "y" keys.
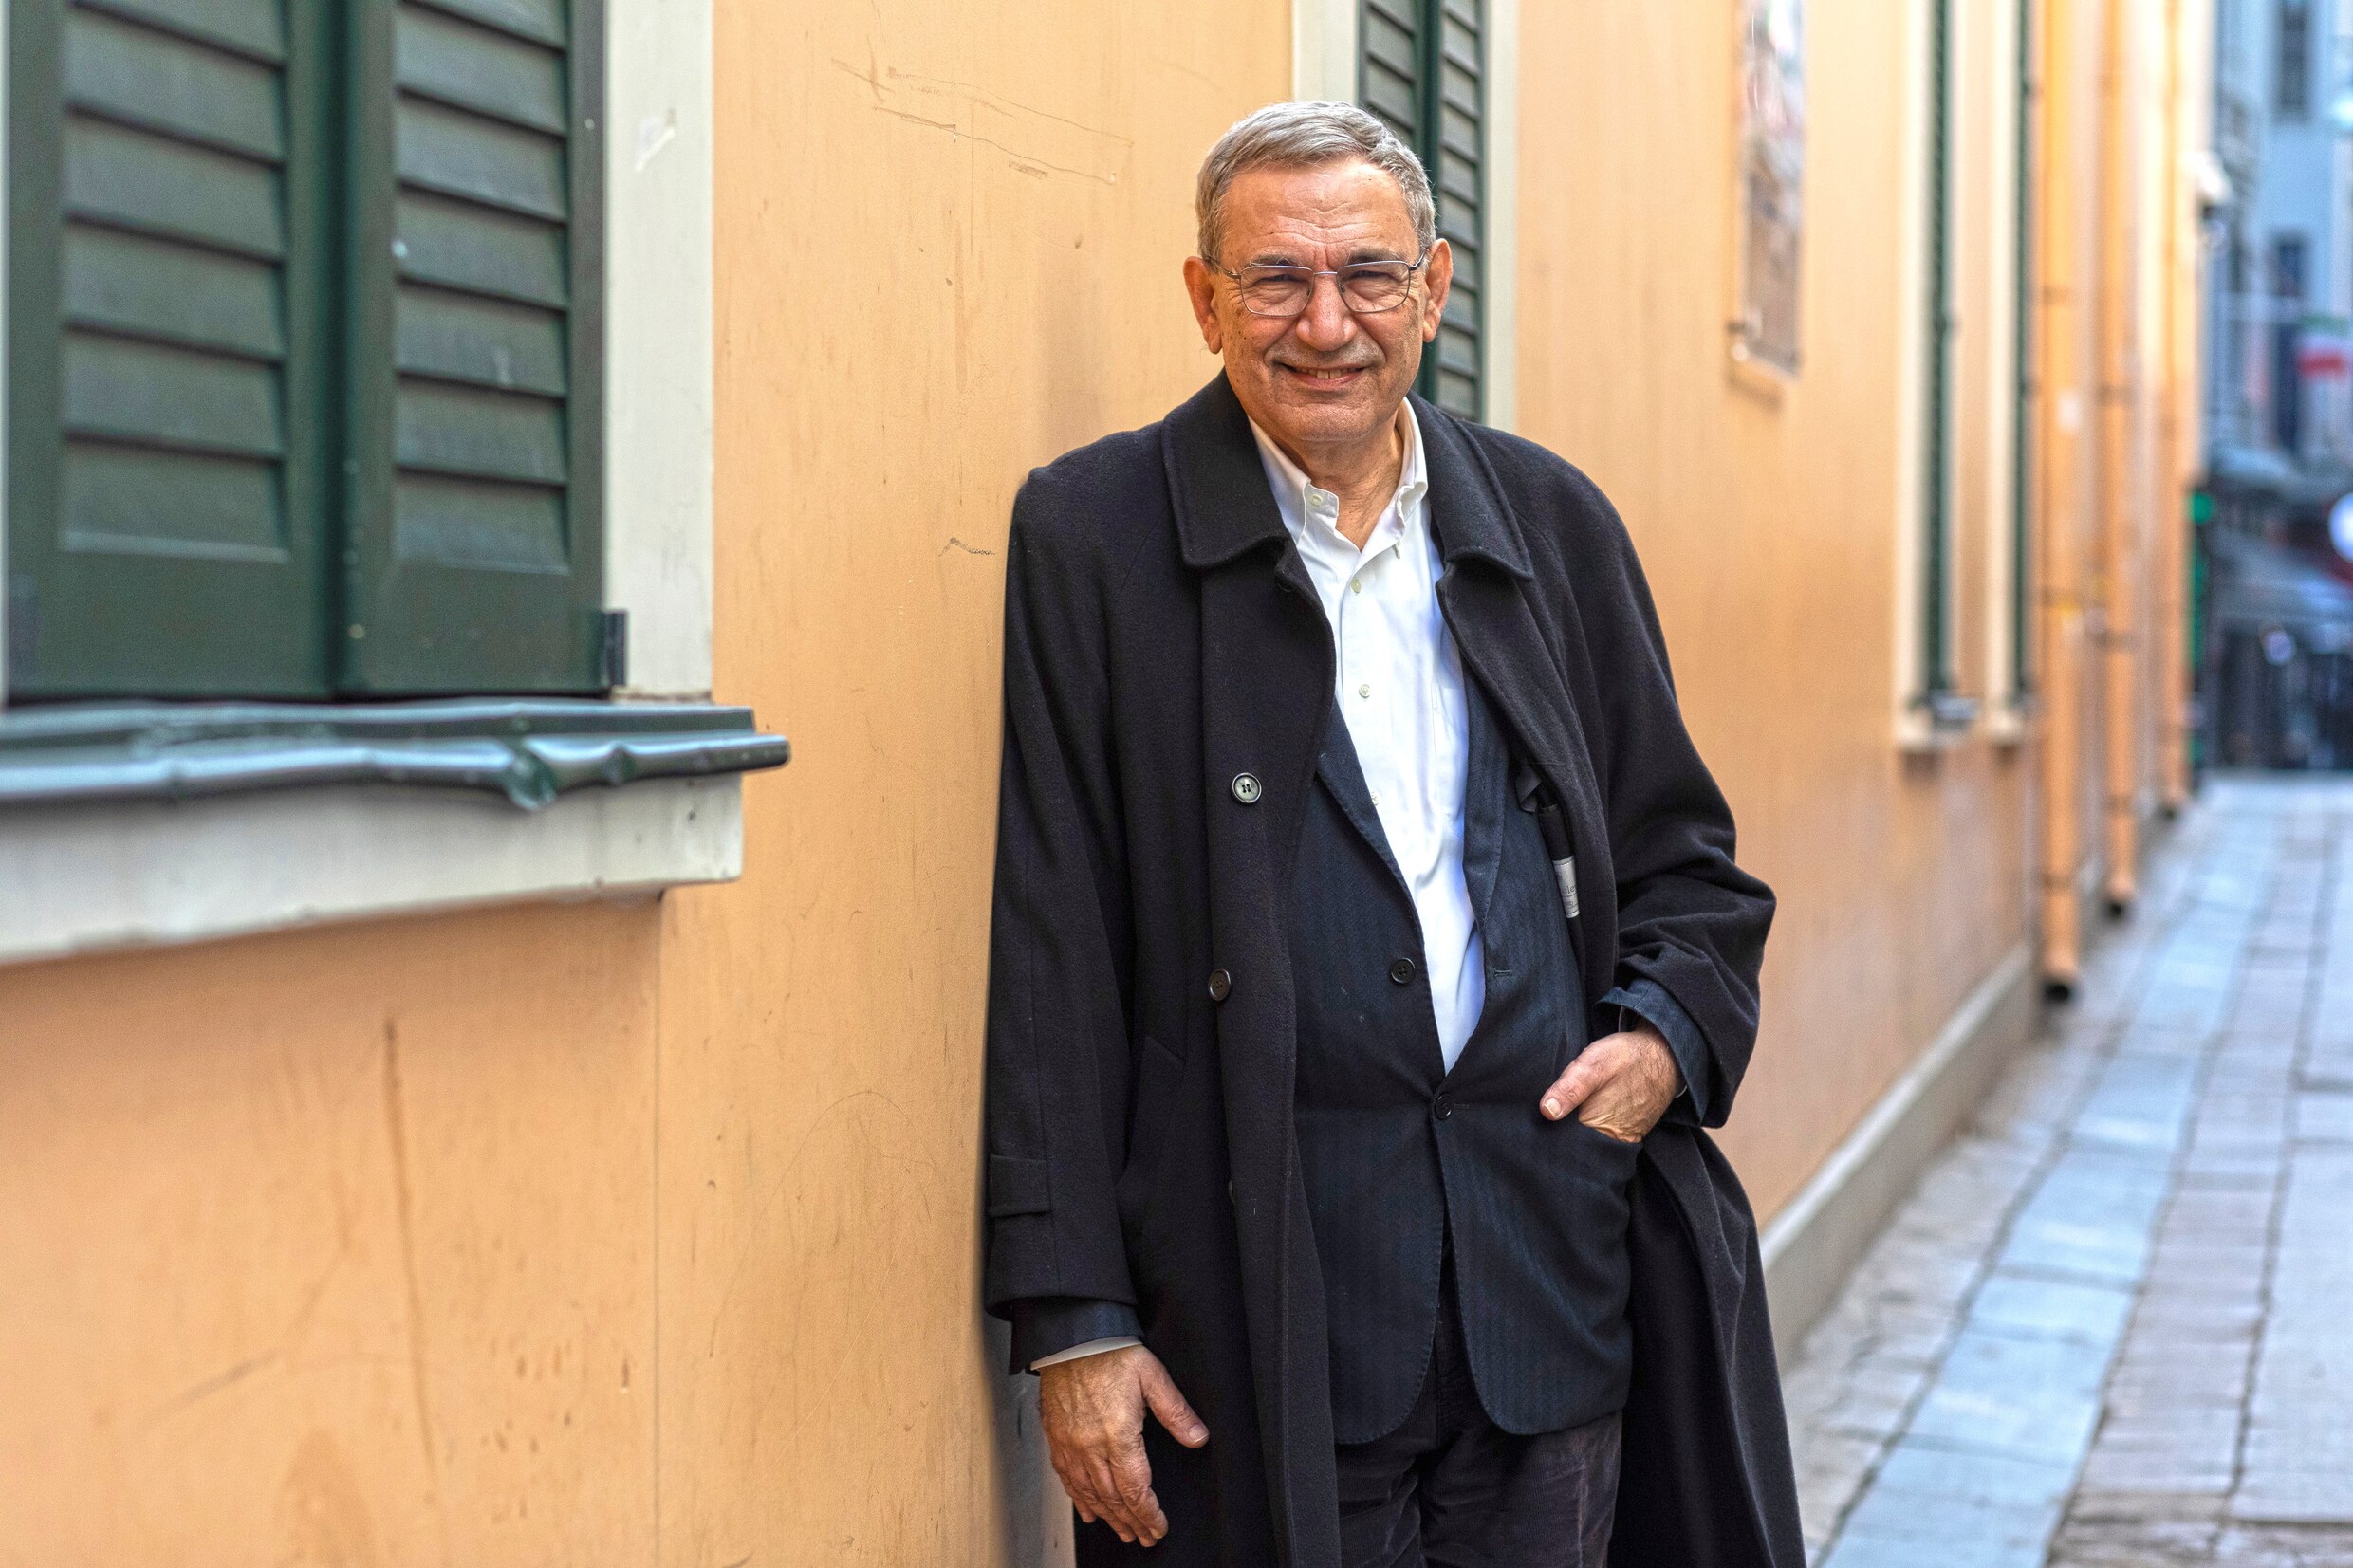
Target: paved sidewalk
{"x": 2114, "y": 1327}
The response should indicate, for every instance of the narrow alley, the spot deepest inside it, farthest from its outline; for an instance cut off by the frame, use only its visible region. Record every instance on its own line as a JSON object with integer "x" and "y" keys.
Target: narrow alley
{"x": 2110, "y": 1327}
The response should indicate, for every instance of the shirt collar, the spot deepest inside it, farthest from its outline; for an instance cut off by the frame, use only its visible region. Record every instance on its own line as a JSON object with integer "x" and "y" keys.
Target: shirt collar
{"x": 1296, "y": 495}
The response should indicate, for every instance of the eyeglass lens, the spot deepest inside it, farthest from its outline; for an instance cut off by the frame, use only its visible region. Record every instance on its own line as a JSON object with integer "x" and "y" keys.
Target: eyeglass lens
{"x": 1366, "y": 288}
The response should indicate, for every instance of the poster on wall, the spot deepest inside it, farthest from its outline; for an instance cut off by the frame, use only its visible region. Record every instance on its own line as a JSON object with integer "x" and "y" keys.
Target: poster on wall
{"x": 1772, "y": 182}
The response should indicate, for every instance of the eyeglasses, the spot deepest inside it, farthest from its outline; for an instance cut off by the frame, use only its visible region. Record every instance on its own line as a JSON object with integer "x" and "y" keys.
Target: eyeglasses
{"x": 1367, "y": 289}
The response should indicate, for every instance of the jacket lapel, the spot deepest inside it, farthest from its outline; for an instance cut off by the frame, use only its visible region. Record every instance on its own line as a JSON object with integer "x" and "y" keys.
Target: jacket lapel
{"x": 1483, "y": 595}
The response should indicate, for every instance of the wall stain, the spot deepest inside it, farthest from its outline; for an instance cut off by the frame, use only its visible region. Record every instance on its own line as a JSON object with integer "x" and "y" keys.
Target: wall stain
{"x": 323, "y": 1514}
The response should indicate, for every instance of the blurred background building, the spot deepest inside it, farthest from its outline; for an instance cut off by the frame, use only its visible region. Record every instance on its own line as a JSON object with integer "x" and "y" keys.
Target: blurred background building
{"x": 407, "y": 1161}
{"x": 2275, "y": 682}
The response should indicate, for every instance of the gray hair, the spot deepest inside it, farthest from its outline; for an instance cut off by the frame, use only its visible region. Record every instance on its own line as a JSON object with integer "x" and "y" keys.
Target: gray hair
{"x": 1303, "y": 135}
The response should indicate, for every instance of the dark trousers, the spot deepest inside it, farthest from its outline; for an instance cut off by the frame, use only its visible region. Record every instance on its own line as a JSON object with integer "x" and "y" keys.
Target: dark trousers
{"x": 1450, "y": 1489}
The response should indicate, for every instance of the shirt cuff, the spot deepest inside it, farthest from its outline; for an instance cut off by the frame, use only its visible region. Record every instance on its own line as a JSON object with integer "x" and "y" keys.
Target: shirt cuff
{"x": 1080, "y": 1352}
{"x": 1045, "y": 1326}
{"x": 1649, "y": 1001}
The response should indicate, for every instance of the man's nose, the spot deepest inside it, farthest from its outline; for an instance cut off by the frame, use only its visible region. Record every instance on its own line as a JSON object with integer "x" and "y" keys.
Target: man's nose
{"x": 1327, "y": 322}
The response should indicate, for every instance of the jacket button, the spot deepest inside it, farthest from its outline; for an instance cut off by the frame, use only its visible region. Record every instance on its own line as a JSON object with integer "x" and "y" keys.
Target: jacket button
{"x": 1220, "y": 984}
{"x": 1442, "y": 1107}
{"x": 1403, "y": 971}
{"x": 1246, "y": 790}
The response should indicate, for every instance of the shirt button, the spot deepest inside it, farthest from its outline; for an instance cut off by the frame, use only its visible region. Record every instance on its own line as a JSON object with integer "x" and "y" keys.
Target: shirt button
{"x": 1442, "y": 1106}
{"x": 1364, "y": 691}
{"x": 1357, "y": 586}
{"x": 1220, "y": 984}
{"x": 1247, "y": 788}
{"x": 1403, "y": 971}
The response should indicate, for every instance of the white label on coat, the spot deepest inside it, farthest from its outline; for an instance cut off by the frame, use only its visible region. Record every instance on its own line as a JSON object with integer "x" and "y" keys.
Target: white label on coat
{"x": 1565, "y": 871}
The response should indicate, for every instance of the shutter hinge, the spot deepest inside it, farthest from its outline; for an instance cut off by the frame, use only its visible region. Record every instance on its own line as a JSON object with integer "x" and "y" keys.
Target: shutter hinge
{"x": 613, "y": 655}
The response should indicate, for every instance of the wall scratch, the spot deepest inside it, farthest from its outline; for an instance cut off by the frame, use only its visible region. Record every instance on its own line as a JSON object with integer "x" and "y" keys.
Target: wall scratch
{"x": 899, "y": 94}
{"x": 198, "y": 1393}
{"x": 395, "y": 1127}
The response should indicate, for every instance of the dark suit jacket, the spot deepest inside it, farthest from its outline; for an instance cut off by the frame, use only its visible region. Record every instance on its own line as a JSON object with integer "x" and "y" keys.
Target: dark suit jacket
{"x": 1161, "y": 638}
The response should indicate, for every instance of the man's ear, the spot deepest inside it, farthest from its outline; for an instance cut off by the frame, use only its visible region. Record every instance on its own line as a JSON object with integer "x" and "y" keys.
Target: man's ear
{"x": 1201, "y": 287}
{"x": 1439, "y": 277}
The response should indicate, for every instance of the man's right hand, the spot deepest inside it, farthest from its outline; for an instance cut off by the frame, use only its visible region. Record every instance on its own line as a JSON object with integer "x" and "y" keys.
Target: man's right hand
{"x": 1093, "y": 1412}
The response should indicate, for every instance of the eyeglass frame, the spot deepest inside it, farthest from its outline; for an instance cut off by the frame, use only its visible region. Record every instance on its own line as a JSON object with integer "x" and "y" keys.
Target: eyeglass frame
{"x": 1312, "y": 274}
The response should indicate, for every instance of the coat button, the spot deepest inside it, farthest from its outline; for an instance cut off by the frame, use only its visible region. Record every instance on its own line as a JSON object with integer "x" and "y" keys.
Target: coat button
{"x": 1220, "y": 984}
{"x": 1442, "y": 1106}
{"x": 1403, "y": 971}
{"x": 1246, "y": 790}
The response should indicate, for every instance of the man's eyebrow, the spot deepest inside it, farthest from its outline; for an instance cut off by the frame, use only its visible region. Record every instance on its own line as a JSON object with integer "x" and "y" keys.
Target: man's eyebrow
{"x": 1356, "y": 258}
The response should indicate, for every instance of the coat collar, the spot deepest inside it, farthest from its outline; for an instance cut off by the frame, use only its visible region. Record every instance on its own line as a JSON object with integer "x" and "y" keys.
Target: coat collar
{"x": 1225, "y": 507}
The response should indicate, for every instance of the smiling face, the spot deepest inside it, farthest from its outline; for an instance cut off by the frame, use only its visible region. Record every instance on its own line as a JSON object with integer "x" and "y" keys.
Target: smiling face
{"x": 1327, "y": 382}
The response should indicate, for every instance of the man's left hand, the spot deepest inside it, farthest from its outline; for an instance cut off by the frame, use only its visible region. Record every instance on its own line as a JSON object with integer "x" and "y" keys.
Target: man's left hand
{"x": 1619, "y": 1085}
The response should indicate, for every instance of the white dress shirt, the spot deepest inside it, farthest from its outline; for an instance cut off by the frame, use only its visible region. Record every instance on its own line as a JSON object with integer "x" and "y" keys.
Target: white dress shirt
{"x": 1399, "y": 683}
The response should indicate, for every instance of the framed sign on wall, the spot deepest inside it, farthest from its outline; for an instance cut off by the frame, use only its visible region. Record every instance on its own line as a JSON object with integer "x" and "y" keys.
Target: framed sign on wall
{"x": 1771, "y": 241}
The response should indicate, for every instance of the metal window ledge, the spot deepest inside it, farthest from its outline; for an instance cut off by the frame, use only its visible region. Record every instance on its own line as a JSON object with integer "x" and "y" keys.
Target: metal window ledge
{"x": 530, "y": 751}
{"x": 125, "y": 825}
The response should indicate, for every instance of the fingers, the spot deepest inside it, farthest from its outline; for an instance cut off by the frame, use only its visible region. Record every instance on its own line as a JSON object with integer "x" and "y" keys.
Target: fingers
{"x": 1169, "y": 1405}
{"x": 1131, "y": 1481}
{"x": 1093, "y": 1412}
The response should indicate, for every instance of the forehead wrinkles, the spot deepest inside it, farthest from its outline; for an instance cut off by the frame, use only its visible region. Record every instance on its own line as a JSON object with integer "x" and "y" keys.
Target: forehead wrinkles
{"x": 1328, "y": 244}
{"x": 1342, "y": 209}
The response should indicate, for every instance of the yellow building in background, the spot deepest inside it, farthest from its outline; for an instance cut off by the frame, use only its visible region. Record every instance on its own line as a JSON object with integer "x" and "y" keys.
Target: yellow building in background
{"x": 397, "y": 1175}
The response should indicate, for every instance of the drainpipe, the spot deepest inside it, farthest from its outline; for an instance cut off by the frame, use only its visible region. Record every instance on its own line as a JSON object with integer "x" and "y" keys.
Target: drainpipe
{"x": 2066, "y": 151}
{"x": 2121, "y": 375}
{"x": 2187, "y": 93}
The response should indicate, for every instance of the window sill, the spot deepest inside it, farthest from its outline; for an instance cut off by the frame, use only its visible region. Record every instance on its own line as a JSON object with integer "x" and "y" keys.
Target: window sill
{"x": 125, "y": 826}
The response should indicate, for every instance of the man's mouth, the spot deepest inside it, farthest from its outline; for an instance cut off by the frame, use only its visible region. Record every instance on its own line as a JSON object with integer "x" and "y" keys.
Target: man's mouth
{"x": 1328, "y": 376}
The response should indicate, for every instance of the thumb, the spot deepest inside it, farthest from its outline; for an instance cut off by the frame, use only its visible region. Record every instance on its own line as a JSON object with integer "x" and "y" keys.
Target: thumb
{"x": 1169, "y": 1405}
{"x": 1577, "y": 1080}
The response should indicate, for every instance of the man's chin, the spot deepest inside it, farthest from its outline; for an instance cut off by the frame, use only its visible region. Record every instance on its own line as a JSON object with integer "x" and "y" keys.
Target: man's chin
{"x": 1312, "y": 420}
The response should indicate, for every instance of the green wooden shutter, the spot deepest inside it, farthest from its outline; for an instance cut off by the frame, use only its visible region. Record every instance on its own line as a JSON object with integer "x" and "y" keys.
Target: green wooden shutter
{"x": 1423, "y": 70}
{"x": 474, "y": 544}
{"x": 166, "y": 490}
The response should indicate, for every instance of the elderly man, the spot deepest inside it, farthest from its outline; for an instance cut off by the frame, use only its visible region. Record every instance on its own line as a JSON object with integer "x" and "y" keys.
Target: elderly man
{"x": 1368, "y": 954}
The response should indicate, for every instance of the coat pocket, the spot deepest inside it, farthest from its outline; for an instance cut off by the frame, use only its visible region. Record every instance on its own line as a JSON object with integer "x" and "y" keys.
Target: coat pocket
{"x": 1159, "y": 1073}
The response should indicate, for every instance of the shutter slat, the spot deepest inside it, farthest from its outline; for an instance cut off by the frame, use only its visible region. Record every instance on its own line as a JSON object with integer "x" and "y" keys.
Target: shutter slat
{"x": 478, "y": 524}
{"x": 125, "y": 284}
{"x": 475, "y": 68}
{"x": 160, "y": 187}
{"x": 146, "y": 78}
{"x": 254, "y": 27}
{"x": 492, "y": 344}
{"x": 171, "y": 396}
{"x": 222, "y": 508}
{"x": 472, "y": 248}
{"x": 457, "y": 429}
{"x": 463, "y": 155}
{"x": 542, "y": 21}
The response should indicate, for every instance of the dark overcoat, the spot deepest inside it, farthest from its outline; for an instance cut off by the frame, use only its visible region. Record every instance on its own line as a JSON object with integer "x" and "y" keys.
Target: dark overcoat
{"x": 1162, "y": 638}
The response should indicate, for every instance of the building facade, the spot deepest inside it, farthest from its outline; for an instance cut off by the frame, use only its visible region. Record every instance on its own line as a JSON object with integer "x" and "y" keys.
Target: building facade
{"x": 412, "y": 1173}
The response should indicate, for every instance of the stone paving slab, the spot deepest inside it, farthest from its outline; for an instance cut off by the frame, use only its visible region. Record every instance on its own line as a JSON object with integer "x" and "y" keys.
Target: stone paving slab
{"x": 2299, "y": 1451}
{"x": 2115, "y": 1324}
